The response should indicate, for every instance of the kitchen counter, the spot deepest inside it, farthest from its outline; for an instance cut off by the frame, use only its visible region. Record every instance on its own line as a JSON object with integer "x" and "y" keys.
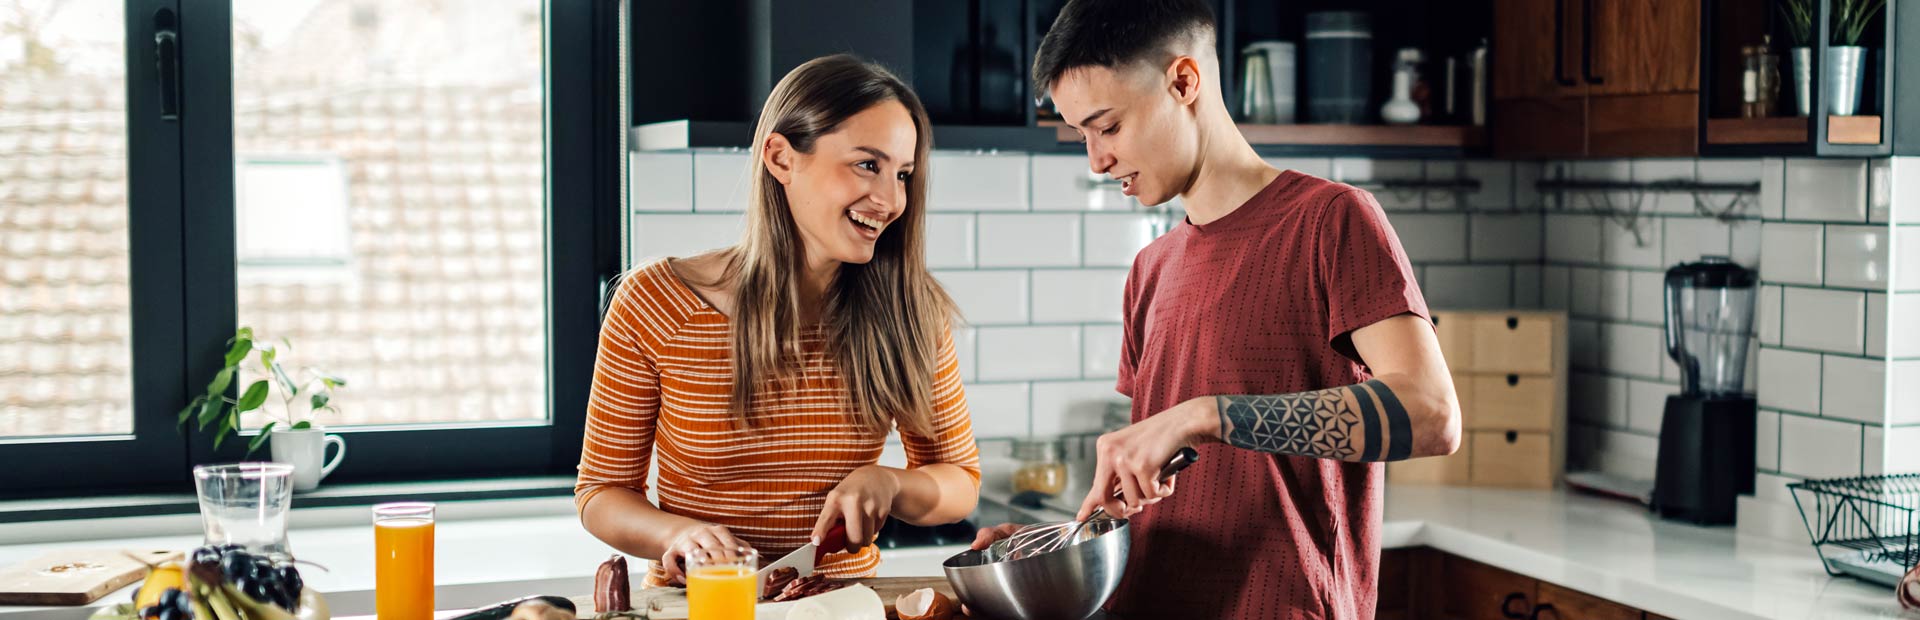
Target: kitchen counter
{"x": 1602, "y": 547}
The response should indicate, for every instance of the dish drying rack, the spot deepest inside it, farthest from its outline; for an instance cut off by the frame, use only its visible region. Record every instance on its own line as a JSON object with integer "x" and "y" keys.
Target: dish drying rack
{"x": 1867, "y": 527}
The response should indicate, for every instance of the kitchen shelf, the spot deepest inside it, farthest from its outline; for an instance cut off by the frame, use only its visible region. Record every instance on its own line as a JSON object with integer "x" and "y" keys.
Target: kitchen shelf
{"x": 1853, "y": 129}
{"x": 1772, "y": 130}
{"x": 682, "y": 134}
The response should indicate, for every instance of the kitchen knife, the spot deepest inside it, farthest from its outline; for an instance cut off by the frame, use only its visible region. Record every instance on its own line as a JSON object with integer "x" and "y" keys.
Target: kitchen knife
{"x": 809, "y": 555}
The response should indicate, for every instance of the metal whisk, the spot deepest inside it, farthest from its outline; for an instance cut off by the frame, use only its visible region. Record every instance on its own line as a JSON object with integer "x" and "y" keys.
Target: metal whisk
{"x": 1041, "y": 538}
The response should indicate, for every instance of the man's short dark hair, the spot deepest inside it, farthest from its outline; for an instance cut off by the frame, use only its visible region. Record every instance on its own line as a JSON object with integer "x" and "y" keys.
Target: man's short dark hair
{"x": 1115, "y": 33}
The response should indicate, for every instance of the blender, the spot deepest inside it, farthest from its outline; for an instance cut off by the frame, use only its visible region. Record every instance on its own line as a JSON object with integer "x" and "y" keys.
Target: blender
{"x": 1706, "y": 457}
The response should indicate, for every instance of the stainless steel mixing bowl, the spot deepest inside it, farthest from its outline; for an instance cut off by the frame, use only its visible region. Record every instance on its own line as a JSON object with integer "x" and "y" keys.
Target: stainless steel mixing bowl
{"x": 1068, "y": 584}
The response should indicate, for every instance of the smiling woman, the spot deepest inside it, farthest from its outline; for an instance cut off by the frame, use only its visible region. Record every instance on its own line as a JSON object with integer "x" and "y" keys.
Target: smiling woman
{"x": 766, "y": 376}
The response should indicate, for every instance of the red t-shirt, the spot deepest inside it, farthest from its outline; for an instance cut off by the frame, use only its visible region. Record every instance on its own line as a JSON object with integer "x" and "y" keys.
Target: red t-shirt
{"x": 1262, "y": 301}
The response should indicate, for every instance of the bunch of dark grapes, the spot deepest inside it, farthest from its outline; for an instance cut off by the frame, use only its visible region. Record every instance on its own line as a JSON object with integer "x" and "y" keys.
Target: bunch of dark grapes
{"x": 173, "y": 605}
{"x": 253, "y": 575}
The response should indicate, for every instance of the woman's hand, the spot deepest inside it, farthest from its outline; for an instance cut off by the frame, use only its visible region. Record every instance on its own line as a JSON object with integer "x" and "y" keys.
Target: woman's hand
{"x": 862, "y": 502}
{"x": 698, "y": 539}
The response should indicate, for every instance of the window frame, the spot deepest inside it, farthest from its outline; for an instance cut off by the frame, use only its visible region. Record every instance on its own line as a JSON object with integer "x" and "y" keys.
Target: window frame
{"x": 185, "y": 290}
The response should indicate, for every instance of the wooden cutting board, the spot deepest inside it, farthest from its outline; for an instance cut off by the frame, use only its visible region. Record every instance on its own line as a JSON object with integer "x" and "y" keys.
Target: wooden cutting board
{"x": 671, "y": 603}
{"x": 75, "y": 577}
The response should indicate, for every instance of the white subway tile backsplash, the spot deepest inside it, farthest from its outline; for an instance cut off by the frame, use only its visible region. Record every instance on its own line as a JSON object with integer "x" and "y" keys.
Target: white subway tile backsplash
{"x": 1616, "y": 294}
{"x": 1633, "y": 350}
{"x": 1573, "y": 238}
{"x": 1906, "y": 250}
{"x": 1496, "y": 184}
{"x": 1603, "y": 170}
{"x": 720, "y": 181}
{"x": 1873, "y": 450}
{"x": 1360, "y": 170}
{"x": 1429, "y": 237}
{"x": 1901, "y": 456}
{"x": 1457, "y": 287}
{"x": 1587, "y": 399}
{"x": 978, "y": 182}
{"x": 1526, "y": 286}
{"x": 1880, "y": 190}
{"x": 1556, "y": 287}
{"x": 1114, "y": 238}
{"x": 1583, "y": 344}
{"x": 1628, "y": 455}
{"x": 1856, "y": 256}
{"x": 1029, "y": 353}
{"x": 950, "y": 240}
{"x": 1726, "y": 170}
{"x": 999, "y": 410}
{"x": 661, "y": 235}
{"x": 1903, "y": 336}
{"x": 1649, "y": 297}
{"x": 1647, "y": 404}
{"x": 1100, "y": 357}
{"x": 1766, "y": 444}
{"x": 1078, "y": 295}
{"x": 1824, "y": 320}
{"x": 1789, "y": 380}
{"x": 1771, "y": 298}
{"x": 1689, "y": 238}
{"x": 1505, "y": 237}
{"x": 1067, "y": 407}
{"x": 1876, "y": 325}
{"x": 1744, "y": 250}
{"x": 967, "y": 350}
{"x": 1656, "y": 170}
{"x": 993, "y": 297}
{"x": 1791, "y": 253}
{"x": 1827, "y": 189}
{"x": 661, "y": 181}
{"x": 1638, "y": 246}
{"x": 1064, "y": 182}
{"x": 1317, "y": 166}
{"x": 1905, "y": 198}
{"x": 1773, "y": 188}
{"x": 1904, "y": 397}
{"x": 1584, "y": 292}
{"x": 1815, "y": 448}
{"x": 1854, "y": 389}
{"x": 1526, "y": 179}
{"x": 1029, "y": 240}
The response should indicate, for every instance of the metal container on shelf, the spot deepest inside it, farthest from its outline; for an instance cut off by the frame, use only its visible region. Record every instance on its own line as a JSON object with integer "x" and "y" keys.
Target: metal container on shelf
{"x": 1339, "y": 59}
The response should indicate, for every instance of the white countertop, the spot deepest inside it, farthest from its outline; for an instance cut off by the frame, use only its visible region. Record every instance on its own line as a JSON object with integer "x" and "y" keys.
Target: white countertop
{"x": 1602, "y": 547}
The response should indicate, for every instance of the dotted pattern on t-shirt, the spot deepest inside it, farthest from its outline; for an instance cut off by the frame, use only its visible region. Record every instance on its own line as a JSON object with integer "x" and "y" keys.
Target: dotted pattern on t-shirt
{"x": 1261, "y": 301}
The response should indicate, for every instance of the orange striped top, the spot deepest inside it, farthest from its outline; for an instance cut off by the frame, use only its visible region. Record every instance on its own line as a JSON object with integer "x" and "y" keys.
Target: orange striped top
{"x": 661, "y": 388}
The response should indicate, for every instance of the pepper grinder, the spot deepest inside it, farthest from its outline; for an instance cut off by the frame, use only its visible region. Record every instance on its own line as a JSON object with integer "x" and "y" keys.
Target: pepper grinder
{"x": 1401, "y": 109}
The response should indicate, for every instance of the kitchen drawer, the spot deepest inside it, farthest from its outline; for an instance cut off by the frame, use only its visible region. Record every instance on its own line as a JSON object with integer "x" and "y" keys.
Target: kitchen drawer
{"x": 1475, "y": 591}
{"x": 1558, "y": 602}
{"x": 1455, "y": 331}
{"x": 1512, "y": 459}
{"x": 1509, "y": 402}
{"x": 1521, "y": 343}
{"x": 1452, "y": 469}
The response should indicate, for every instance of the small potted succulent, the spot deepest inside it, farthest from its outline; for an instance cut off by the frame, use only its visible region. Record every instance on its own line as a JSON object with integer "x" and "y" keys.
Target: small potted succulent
{"x": 297, "y": 438}
{"x": 1797, "y": 16}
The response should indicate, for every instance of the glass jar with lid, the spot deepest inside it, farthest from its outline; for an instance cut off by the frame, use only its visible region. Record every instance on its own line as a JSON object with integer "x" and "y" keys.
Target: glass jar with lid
{"x": 1041, "y": 471}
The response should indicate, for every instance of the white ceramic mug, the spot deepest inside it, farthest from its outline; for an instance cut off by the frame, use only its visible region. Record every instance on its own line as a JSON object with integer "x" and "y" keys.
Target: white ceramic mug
{"x": 305, "y": 450}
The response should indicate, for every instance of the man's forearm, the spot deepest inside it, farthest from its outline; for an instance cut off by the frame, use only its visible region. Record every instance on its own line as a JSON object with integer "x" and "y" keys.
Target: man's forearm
{"x": 1364, "y": 422}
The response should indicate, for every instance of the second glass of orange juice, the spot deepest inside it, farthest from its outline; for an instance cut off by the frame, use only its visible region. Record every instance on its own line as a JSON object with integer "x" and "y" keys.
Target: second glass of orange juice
{"x": 721, "y": 586}
{"x": 403, "y": 561}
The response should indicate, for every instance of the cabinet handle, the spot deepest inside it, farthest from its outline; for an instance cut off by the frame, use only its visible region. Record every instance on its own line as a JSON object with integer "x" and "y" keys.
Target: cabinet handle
{"x": 1507, "y": 607}
{"x": 1513, "y": 322}
{"x": 1513, "y": 380}
{"x": 1586, "y": 44}
{"x": 166, "y": 51}
{"x": 1560, "y": 43}
{"x": 1544, "y": 611}
{"x": 1513, "y": 436}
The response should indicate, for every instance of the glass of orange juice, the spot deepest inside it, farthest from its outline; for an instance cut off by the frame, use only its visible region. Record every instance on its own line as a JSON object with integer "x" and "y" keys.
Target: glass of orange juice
{"x": 721, "y": 584}
{"x": 403, "y": 561}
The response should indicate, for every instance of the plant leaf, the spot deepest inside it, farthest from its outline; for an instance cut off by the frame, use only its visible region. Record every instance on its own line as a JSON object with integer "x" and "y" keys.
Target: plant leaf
{"x": 218, "y": 386}
{"x": 239, "y": 350}
{"x": 260, "y": 438}
{"x": 256, "y": 394}
{"x": 286, "y": 344}
{"x": 286, "y": 382}
{"x": 320, "y": 399}
{"x": 210, "y": 411}
{"x": 302, "y": 425}
{"x": 220, "y": 432}
{"x": 332, "y": 381}
{"x": 187, "y": 413}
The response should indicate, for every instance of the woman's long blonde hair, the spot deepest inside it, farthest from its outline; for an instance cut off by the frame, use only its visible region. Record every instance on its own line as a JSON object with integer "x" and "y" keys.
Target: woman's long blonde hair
{"x": 885, "y": 319}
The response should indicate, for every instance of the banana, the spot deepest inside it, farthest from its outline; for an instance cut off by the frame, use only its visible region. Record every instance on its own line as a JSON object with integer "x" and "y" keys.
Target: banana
{"x": 216, "y": 598}
{"x": 313, "y": 606}
{"x": 254, "y": 610}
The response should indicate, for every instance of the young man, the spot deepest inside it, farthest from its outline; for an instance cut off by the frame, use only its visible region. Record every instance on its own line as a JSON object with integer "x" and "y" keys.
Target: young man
{"x": 1278, "y": 329}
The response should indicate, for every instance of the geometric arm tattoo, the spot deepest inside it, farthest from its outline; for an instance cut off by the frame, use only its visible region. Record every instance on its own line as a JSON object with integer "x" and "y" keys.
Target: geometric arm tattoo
{"x": 1363, "y": 422}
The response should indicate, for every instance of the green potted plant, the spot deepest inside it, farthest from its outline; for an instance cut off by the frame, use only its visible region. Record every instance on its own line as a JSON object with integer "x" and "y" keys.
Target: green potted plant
{"x": 1846, "y": 58}
{"x": 1797, "y": 16}
{"x": 296, "y": 437}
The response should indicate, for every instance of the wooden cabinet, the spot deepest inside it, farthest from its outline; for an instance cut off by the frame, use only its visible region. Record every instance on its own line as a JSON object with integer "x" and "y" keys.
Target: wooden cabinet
{"x": 1510, "y": 375}
{"x": 1425, "y": 584}
{"x": 1599, "y": 78}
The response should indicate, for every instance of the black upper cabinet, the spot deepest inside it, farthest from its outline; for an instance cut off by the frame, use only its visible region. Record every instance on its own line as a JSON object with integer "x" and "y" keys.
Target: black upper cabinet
{"x": 970, "y": 61}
